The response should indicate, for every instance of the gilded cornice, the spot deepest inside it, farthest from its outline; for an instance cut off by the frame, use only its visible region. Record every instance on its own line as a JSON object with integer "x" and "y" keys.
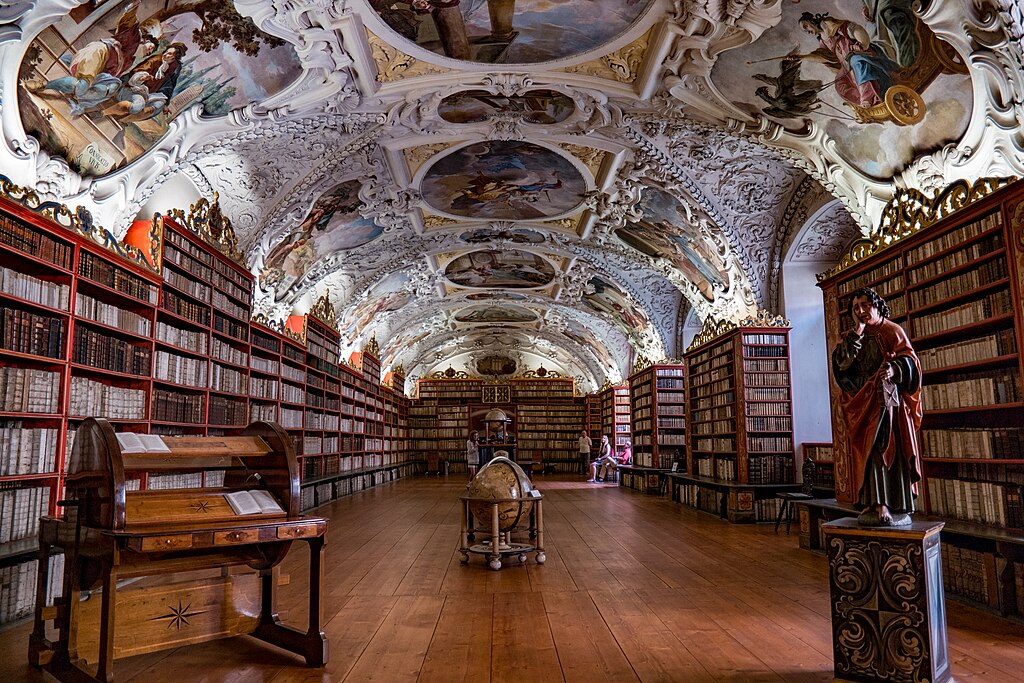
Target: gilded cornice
{"x": 642, "y": 363}
{"x": 323, "y": 310}
{"x": 80, "y": 221}
{"x": 623, "y": 65}
{"x": 394, "y": 65}
{"x": 206, "y": 220}
{"x": 372, "y": 347}
{"x": 764, "y": 318}
{"x": 711, "y": 329}
{"x": 911, "y": 211}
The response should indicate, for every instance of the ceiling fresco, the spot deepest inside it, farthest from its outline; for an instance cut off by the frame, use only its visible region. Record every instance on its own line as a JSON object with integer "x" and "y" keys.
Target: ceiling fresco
{"x": 506, "y": 31}
{"x": 497, "y": 184}
{"x": 102, "y": 91}
{"x": 509, "y": 180}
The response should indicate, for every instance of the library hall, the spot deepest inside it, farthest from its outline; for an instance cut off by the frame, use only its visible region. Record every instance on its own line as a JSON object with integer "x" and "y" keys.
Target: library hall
{"x": 511, "y": 340}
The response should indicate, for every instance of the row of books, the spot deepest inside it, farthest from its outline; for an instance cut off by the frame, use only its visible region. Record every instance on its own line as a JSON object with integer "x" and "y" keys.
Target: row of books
{"x": 765, "y": 352}
{"x": 986, "y": 273}
{"x": 100, "y": 350}
{"x": 183, "y": 370}
{"x": 30, "y": 240}
{"x": 767, "y": 379}
{"x": 964, "y": 573}
{"x": 769, "y": 424}
{"x": 720, "y": 350}
{"x": 973, "y": 443}
{"x": 267, "y": 365}
{"x": 715, "y": 445}
{"x": 110, "y": 315}
{"x": 229, "y": 354}
{"x": 27, "y": 390}
{"x": 263, "y": 411}
{"x": 960, "y": 257}
{"x": 20, "y": 510}
{"x": 991, "y": 305}
{"x": 23, "y": 286}
{"x": 190, "y": 340}
{"x": 712, "y": 428}
{"x": 227, "y": 379}
{"x": 173, "y": 406}
{"x": 34, "y": 333}
{"x": 89, "y": 398}
{"x": 185, "y": 284}
{"x": 952, "y": 238}
{"x": 291, "y": 418}
{"x": 975, "y": 389}
{"x": 228, "y": 411}
{"x": 705, "y": 499}
{"x": 770, "y": 444}
{"x": 668, "y": 383}
{"x": 99, "y": 270}
{"x": 968, "y": 351}
{"x": 185, "y": 308}
{"x": 763, "y": 338}
{"x": 976, "y": 501}
{"x": 27, "y": 450}
{"x": 230, "y": 327}
{"x": 222, "y": 303}
{"x": 189, "y": 257}
{"x": 717, "y": 387}
{"x": 321, "y": 421}
{"x": 722, "y": 399}
{"x": 775, "y": 408}
{"x": 262, "y": 387}
{"x": 770, "y": 469}
{"x": 18, "y": 587}
{"x": 887, "y": 269}
{"x": 709, "y": 377}
{"x": 720, "y": 413}
{"x": 760, "y": 394}
{"x": 769, "y": 365}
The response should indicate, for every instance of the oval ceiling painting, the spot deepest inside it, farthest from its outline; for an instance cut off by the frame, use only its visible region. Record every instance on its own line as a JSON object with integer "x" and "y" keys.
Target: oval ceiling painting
{"x": 535, "y": 106}
{"x": 664, "y": 232}
{"x": 509, "y": 31}
{"x": 125, "y": 71}
{"x": 504, "y": 179}
{"x": 390, "y": 294}
{"x": 519, "y": 236}
{"x": 604, "y": 297}
{"x": 511, "y": 269}
{"x": 333, "y": 224}
{"x": 496, "y": 314}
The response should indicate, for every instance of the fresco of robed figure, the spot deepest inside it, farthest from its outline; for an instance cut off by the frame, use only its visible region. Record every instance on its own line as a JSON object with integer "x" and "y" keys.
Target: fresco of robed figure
{"x": 665, "y": 233}
{"x": 390, "y": 294}
{"x": 333, "y": 224}
{"x": 100, "y": 91}
{"x": 604, "y": 297}
{"x": 874, "y": 75}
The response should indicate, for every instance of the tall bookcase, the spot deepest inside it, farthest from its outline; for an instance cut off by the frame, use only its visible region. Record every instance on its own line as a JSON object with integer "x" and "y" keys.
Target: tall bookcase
{"x": 740, "y": 419}
{"x": 656, "y": 396}
{"x": 156, "y": 338}
{"x": 615, "y": 416}
{"x": 952, "y": 272}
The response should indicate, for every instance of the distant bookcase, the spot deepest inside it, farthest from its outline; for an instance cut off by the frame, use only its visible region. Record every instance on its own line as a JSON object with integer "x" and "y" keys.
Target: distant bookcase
{"x": 615, "y": 416}
{"x": 739, "y": 419}
{"x": 953, "y": 280}
{"x": 658, "y": 416}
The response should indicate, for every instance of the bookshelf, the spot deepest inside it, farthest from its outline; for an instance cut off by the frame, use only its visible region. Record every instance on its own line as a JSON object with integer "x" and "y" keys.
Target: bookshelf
{"x": 952, "y": 273}
{"x": 739, "y": 412}
{"x": 820, "y": 454}
{"x": 156, "y": 339}
{"x": 595, "y": 415}
{"x": 656, "y": 397}
{"x": 615, "y": 416}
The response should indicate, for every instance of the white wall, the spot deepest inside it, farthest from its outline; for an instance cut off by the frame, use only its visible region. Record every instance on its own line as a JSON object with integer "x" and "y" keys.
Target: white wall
{"x": 802, "y": 304}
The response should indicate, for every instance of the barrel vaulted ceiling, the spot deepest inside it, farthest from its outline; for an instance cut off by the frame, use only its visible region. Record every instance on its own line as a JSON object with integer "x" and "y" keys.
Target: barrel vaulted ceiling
{"x": 500, "y": 185}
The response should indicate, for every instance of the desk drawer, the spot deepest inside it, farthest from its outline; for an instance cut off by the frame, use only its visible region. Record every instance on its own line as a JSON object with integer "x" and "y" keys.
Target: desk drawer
{"x": 299, "y": 531}
{"x": 234, "y": 537}
{"x": 156, "y": 543}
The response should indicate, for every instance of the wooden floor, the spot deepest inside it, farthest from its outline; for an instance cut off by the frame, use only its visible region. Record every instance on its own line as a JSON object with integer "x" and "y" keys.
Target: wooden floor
{"x": 635, "y": 588}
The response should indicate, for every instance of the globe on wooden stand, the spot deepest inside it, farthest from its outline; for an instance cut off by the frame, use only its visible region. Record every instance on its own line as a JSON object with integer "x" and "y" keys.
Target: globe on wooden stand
{"x": 502, "y": 498}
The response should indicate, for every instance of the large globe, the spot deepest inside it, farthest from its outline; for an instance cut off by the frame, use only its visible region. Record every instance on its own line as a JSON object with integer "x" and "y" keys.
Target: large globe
{"x": 500, "y": 479}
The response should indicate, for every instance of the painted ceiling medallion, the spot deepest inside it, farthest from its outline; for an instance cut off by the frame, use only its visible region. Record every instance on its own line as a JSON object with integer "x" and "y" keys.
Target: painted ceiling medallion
{"x": 605, "y": 297}
{"x": 496, "y": 314}
{"x": 509, "y": 31}
{"x": 517, "y": 236}
{"x": 128, "y": 69}
{"x": 496, "y": 365}
{"x": 511, "y": 269}
{"x": 503, "y": 179}
{"x": 534, "y": 106}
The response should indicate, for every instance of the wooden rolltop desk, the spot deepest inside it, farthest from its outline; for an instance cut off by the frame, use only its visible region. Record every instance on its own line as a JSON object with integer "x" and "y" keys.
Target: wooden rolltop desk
{"x": 192, "y": 536}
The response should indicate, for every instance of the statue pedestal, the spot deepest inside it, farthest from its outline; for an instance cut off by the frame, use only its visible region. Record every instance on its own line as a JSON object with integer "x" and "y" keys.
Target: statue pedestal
{"x": 888, "y": 607}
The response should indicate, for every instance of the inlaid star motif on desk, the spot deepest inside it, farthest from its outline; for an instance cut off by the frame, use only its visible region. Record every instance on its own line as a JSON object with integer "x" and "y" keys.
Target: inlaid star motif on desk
{"x": 178, "y": 616}
{"x": 200, "y": 506}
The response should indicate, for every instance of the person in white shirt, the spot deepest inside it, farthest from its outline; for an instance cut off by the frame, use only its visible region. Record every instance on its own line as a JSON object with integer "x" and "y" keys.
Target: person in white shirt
{"x": 585, "y": 444}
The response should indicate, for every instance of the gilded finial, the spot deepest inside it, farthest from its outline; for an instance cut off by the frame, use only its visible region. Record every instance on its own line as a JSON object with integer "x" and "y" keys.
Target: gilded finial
{"x": 206, "y": 220}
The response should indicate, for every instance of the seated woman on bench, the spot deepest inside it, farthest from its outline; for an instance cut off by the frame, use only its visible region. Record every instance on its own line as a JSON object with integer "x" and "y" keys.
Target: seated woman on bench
{"x": 624, "y": 458}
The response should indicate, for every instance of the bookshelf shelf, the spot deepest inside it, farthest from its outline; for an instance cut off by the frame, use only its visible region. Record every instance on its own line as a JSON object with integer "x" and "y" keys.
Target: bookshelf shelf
{"x": 658, "y": 422}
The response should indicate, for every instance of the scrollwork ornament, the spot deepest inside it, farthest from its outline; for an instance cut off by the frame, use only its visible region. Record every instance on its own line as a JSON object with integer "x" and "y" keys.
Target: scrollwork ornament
{"x": 711, "y": 329}
{"x": 206, "y": 220}
{"x": 323, "y": 310}
{"x": 764, "y": 318}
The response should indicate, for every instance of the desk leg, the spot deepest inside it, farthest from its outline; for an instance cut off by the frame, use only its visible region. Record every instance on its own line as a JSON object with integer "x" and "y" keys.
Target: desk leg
{"x": 39, "y": 649}
{"x": 105, "y": 667}
{"x": 312, "y": 645}
{"x": 541, "y": 557}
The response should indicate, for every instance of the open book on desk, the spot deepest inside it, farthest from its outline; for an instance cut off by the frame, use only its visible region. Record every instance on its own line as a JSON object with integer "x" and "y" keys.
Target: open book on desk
{"x": 254, "y": 502}
{"x": 131, "y": 442}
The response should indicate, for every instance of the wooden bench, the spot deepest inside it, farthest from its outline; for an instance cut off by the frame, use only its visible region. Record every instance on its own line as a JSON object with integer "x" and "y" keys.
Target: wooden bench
{"x": 110, "y": 533}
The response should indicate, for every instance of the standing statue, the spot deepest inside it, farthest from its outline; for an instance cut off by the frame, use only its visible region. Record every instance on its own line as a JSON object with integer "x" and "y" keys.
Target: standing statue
{"x": 880, "y": 377}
